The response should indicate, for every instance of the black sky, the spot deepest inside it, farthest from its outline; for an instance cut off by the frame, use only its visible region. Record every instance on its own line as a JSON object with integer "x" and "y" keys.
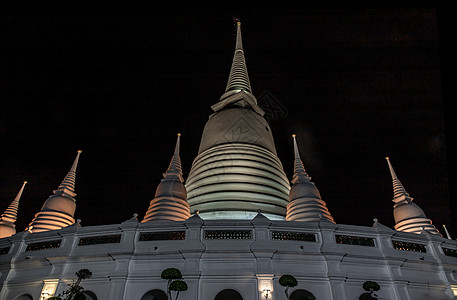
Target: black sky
{"x": 355, "y": 85}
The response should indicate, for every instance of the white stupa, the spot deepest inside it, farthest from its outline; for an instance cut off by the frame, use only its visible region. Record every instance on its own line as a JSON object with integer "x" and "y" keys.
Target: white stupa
{"x": 170, "y": 201}
{"x": 408, "y": 216}
{"x": 237, "y": 172}
{"x": 305, "y": 204}
{"x": 8, "y": 218}
{"x": 59, "y": 209}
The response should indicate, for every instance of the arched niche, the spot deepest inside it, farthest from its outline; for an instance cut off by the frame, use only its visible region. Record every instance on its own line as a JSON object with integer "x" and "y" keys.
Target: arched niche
{"x": 367, "y": 296}
{"x": 24, "y": 297}
{"x": 302, "y": 295}
{"x": 155, "y": 295}
{"x": 86, "y": 295}
{"x": 228, "y": 294}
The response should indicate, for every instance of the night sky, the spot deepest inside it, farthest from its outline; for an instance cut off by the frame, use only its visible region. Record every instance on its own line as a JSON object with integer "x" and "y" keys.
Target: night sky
{"x": 354, "y": 85}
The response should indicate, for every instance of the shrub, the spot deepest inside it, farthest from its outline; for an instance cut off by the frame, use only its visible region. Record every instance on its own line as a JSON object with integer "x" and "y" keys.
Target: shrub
{"x": 178, "y": 285}
{"x": 288, "y": 281}
{"x": 175, "y": 283}
{"x": 171, "y": 273}
{"x": 371, "y": 286}
{"x": 74, "y": 291}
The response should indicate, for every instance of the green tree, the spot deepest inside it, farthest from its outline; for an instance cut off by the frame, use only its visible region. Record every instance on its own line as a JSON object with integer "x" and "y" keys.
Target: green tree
{"x": 371, "y": 287}
{"x": 175, "y": 282}
{"x": 287, "y": 281}
{"x": 75, "y": 289}
{"x": 178, "y": 286}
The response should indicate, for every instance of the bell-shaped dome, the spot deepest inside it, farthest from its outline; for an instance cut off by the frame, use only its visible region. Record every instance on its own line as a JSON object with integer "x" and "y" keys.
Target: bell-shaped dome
{"x": 304, "y": 190}
{"x": 236, "y": 124}
{"x": 60, "y": 203}
{"x": 171, "y": 187}
{"x": 407, "y": 210}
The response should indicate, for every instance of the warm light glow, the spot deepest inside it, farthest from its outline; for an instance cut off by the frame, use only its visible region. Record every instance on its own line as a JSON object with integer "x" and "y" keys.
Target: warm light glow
{"x": 49, "y": 289}
{"x": 79, "y": 151}
{"x": 265, "y": 286}
{"x": 179, "y": 134}
{"x": 293, "y": 135}
{"x": 454, "y": 289}
{"x": 387, "y": 157}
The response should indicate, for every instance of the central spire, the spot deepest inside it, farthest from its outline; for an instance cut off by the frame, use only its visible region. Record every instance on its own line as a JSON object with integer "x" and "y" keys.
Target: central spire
{"x": 238, "y": 91}
{"x": 238, "y": 78}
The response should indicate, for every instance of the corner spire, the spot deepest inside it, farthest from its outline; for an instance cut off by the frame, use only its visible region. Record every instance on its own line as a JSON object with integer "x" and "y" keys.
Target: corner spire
{"x": 305, "y": 202}
{"x": 59, "y": 209}
{"x": 299, "y": 169}
{"x": 399, "y": 190}
{"x": 170, "y": 200}
{"x": 175, "y": 168}
{"x": 67, "y": 186}
{"x": 9, "y": 217}
{"x": 408, "y": 216}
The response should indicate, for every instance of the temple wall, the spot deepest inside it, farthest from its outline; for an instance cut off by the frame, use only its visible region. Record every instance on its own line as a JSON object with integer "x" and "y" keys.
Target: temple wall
{"x": 332, "y": 261}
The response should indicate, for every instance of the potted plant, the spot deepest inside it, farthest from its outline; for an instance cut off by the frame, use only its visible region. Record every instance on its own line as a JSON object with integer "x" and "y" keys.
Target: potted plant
{"x": 287, "y": 281}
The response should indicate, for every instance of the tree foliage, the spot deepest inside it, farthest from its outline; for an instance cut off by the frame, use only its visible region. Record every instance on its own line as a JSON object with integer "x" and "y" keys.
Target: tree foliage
{"x": 171, "y": 273}
{"x": 83, "y": 274}
{"x": 287, "y": 281}
{"x": 371, "y": 286}
{"x": 178, "y": 285}
{"x": 175, "y": 282}
{"x": 75, "y": 289}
